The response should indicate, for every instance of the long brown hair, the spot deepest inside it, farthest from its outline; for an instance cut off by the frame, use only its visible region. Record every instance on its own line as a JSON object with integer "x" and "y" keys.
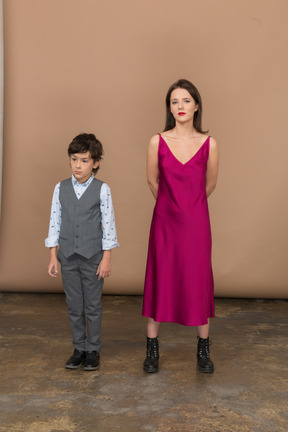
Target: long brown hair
{"x": 197, "y": 119}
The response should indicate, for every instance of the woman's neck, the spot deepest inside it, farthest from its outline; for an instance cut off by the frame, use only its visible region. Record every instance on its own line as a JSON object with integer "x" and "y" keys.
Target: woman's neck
{"x": 185, "y": 130}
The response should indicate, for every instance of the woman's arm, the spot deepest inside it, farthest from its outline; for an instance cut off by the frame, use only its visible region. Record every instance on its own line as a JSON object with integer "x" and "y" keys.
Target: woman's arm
{"x": 152, "y": 165}
{"x": 212, "y": 167}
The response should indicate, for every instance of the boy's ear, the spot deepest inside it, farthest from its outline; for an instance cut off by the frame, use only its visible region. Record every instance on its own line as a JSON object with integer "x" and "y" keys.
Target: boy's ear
{"x": 96, "y": 164}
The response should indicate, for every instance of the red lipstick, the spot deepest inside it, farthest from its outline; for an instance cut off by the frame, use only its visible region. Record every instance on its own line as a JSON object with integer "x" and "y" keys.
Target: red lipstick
{"x": 181, "y": 113}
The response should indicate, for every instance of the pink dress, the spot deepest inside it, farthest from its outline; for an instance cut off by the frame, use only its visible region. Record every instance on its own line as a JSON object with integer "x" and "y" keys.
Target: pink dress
{"x": 179, "y": 281}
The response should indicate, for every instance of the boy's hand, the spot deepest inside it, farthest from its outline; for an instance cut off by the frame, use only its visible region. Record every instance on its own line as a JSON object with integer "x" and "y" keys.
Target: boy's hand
{"x": 104, "y": 268}
{"x": 53, "y": 263}
{"x": 53, "y": 268}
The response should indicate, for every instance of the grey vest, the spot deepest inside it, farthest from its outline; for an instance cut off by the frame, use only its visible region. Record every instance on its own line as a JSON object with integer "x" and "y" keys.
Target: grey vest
{"x": 81, "y": 229}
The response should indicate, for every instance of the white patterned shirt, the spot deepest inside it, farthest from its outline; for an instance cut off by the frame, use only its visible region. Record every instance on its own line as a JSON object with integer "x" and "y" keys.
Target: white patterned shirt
{"x": 109, "y": 234}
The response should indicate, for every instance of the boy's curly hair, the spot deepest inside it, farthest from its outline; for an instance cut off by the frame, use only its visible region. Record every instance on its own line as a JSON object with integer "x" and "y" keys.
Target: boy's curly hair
{"x": 85, "y": 142}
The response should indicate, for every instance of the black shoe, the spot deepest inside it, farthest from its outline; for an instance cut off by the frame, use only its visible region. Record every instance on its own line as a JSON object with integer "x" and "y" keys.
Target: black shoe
{"x": 205, "y": 364}
{"x": 92, "y": 361}
{"x": 76, "y": 360}
{"x": 152, "y": 359}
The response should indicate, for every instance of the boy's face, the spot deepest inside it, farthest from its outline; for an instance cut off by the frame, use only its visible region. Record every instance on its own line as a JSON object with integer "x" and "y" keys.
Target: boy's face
{"x": 82, "y": 165}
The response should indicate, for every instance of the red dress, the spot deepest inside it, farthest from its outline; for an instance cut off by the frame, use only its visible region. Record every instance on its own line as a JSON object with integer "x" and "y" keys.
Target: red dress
{"x": 179, "y": 281}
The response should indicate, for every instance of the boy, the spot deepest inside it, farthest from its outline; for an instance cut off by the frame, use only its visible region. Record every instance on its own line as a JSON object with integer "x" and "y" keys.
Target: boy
{"x": 82, "y": 224}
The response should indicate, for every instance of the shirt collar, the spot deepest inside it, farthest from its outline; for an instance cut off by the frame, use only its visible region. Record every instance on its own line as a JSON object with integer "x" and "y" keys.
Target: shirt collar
{"x": 86, "y": 184}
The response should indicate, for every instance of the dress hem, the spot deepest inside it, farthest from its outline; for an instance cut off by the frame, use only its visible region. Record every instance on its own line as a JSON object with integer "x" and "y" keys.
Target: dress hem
{"x": 178, "y": 322}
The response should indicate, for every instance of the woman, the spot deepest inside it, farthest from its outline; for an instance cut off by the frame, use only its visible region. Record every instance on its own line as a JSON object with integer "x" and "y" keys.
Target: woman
{"x": 182, "y": 169}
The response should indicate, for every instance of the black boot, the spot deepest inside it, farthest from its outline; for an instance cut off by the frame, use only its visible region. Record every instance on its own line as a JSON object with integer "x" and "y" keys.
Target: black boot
{"x": 205, "y": 364}
{"x": 151, "y": 362}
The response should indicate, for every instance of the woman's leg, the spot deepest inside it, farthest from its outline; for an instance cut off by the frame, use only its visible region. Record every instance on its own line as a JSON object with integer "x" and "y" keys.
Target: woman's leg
{"x": 152, "y": 357}
{"x": 203, "y": 331}
{"x": 205, "y": 363}
{"x": 152, "y": 328}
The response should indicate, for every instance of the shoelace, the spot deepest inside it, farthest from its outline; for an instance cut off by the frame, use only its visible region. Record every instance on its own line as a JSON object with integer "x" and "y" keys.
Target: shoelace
{"x": 152, "y": 349}
{"x": 91, "y": 356}
{"x": 204, "y": 349}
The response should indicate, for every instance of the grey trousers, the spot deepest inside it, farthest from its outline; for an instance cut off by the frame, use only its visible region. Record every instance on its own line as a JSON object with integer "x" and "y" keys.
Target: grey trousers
{"x": 83, "y": 293}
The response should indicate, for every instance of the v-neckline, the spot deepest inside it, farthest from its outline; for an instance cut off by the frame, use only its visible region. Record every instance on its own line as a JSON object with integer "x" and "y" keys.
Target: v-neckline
{"x": 87, "y": 187}
{"x": 192, "y": 157}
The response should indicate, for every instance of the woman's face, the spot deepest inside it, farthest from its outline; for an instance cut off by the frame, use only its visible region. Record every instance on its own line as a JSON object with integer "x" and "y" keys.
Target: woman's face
{"x": 182, "y": 105}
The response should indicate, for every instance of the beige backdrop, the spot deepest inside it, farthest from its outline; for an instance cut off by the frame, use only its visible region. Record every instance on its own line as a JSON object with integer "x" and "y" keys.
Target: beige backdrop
{"x": 104, "y": 67}
{"x": 1, "y": 95}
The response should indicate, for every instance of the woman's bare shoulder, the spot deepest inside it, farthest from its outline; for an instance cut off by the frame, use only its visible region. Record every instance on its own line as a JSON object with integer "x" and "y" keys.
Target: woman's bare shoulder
{"x": 154, "y": 141}
{"x": 213, "y": 143}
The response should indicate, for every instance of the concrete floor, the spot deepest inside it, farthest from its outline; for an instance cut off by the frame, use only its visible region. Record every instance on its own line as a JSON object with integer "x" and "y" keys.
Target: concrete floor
{"x": 247, "y": 392}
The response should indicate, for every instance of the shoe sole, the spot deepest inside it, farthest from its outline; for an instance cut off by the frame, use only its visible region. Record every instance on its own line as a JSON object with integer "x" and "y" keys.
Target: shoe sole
{"x": 150, "y": 370}
{"x": 73, "y": 367}
{"x": 91, "y": 368}
{"x": 205, "y": 370}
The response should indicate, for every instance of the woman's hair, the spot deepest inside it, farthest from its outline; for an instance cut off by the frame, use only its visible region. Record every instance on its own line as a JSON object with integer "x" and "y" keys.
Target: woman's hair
{"x": 197, "y": 119}
{"x": 87, "y": 143}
